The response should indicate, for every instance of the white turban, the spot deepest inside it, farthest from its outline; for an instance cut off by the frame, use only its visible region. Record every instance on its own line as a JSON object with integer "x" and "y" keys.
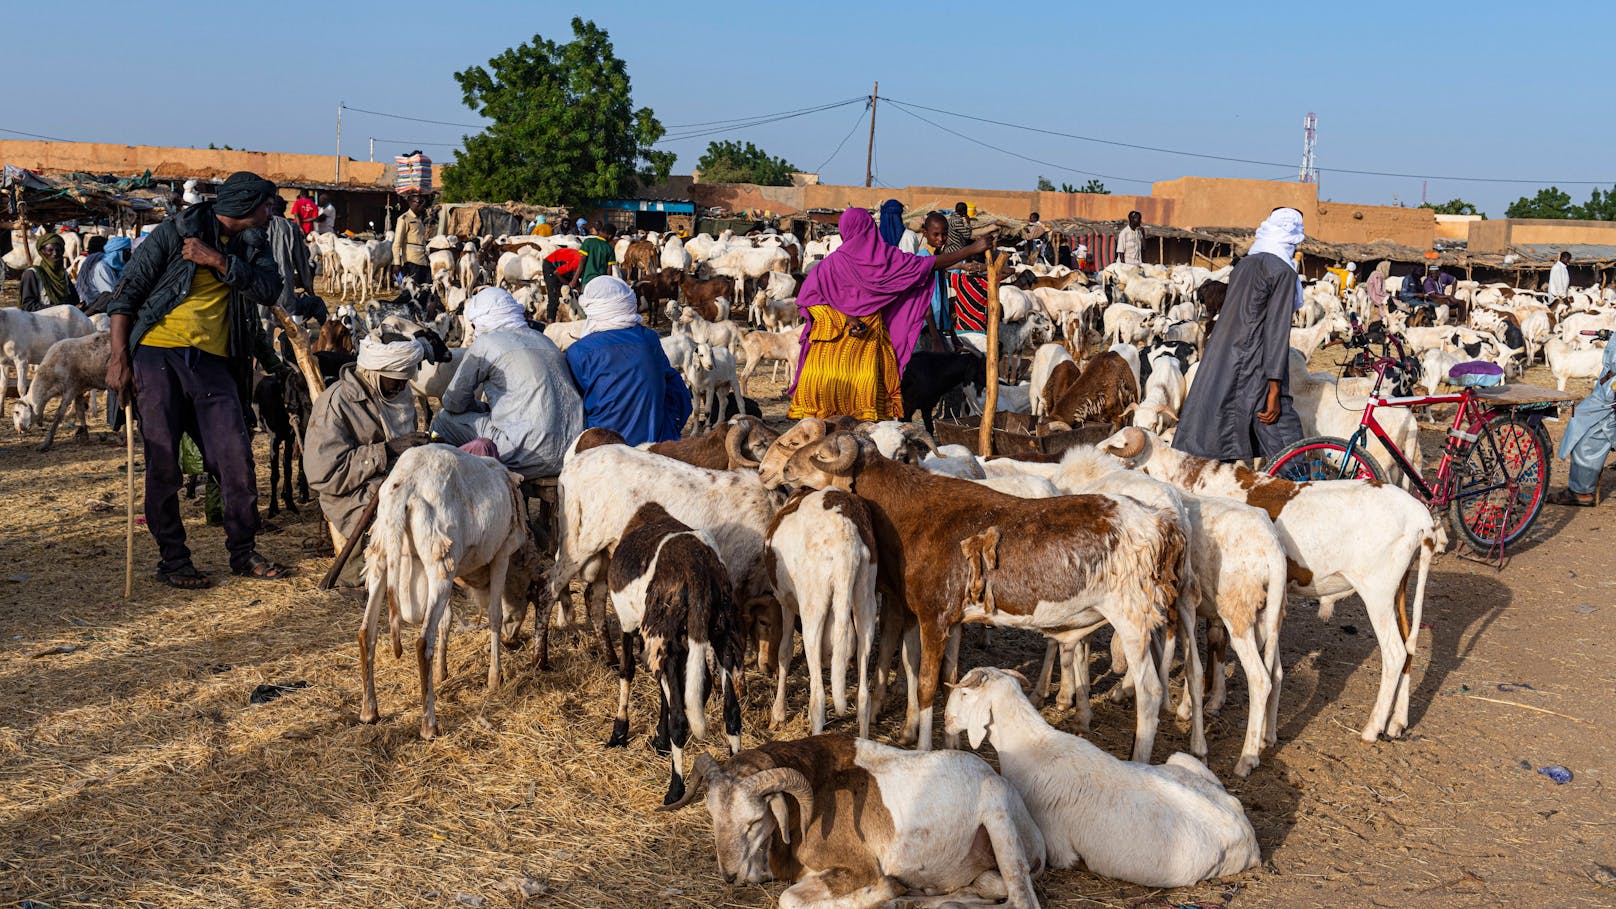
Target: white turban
{"x": 1280, "y": 234}
{"x": 494, "y": 309}
{"x": 608, "y": 304}
{"x": 393, "y": 360}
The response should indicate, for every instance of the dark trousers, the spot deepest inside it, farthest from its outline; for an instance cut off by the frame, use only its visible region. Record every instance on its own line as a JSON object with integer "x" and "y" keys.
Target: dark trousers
{"x": 552, "y": 291}
{"x": 184, "y": 390}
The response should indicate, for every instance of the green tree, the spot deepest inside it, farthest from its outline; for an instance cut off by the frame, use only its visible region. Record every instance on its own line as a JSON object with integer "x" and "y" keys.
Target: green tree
{"x": 564, "y": 131}
{"x": 1093, "y": 186}
{"x": 733, "y": 162}
{"x": 1452, "y": 207}
{"x": 1045, "y": 186}
{"x": 1548, "y": 203}
{"x": 1601, "y": 206}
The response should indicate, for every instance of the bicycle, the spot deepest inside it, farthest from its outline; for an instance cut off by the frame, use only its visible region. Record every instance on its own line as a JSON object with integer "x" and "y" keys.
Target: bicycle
{"x": 1494, "y": 472}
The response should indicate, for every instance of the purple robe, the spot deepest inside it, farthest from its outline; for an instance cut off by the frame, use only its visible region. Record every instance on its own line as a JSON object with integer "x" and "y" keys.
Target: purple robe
{"x": 865, "y": 276}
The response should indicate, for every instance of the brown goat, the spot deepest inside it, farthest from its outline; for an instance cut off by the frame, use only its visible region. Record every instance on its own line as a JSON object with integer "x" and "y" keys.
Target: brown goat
{"x": 333, "y": 336}
{"x": 700, "y": 293}
{"x": 1062, "y": 565}
{"x": 640, "y": 260}
{"x": 741, "y": 442}
{"x": 1103, "y": 391}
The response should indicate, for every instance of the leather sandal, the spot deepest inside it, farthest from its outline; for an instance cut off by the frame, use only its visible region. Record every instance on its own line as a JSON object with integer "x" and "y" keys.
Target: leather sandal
{"x": 262, "y": 569}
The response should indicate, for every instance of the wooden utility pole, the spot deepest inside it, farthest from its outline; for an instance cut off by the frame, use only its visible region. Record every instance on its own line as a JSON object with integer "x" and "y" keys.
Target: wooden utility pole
{"x": 990, "y": 402}
{"x": 869, "y": 151}
{"x": 339, "y": 144}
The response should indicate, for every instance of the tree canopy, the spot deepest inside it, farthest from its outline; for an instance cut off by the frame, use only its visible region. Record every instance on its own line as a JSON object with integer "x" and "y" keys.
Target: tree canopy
{"x": 734, "y": 162}
{"x": 564, "y": 130}
{"x": 1548, "y": 203}
{"x": 1452, "y": 207}
{"x": 1093, "y": 186}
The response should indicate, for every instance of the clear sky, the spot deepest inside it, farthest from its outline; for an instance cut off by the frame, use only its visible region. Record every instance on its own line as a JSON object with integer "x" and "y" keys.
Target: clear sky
{"x": 1473, "y": 89}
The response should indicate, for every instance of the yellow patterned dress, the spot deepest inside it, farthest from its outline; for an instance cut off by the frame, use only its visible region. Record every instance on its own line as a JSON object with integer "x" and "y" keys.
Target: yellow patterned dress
{"x": 850, "y": 370}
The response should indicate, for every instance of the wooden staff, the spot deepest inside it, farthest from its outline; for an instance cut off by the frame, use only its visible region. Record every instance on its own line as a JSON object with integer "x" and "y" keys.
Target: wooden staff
{"x": 990, "y": 404}
{"x": 366, "y": 518}
{"x": 129, "y": 526}
{"x": 300, "y": 349}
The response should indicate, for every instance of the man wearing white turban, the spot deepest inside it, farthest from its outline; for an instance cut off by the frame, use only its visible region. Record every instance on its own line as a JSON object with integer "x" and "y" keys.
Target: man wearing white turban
{"x": 628, "y": 385}
{"x": 1240, "y": 405}
{"x": 511, "y": 387}
{"x": 358, "y": 428}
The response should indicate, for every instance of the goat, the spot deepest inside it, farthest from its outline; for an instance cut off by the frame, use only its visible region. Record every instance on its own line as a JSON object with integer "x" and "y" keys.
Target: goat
{"x": 669, "y": 587}
{"x": 1066, "y": 563}
{"x": 931, "y": 376}
{"x": 780, "y": 346}
{"x": 820, "y": 561}
{"x": 1392, "y": 537}
{"x": 1043, "y": 363}
{"x": 711, "y": 371}
{"x": 1167, "y": 826}
{"x": 25, "y": 338}
{"x": 1105, "y": 390}
{"x": 284, "y": 407}
{"x": 854, "y": 825}
{"x": 443, "y": 514}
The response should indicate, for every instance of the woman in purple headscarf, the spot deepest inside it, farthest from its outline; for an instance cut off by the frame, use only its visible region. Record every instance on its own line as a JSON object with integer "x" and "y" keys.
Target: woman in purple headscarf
{"x": 864, "y": 305}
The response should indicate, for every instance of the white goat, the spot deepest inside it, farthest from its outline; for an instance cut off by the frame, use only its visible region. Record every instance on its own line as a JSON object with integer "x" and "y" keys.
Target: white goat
{"x": 710, "y": 372}
{"x": 71, "y": 367}
{"x": 779, "y": 346}
{"x": 1167, "y": 826}
{"x": 25, "y": 338}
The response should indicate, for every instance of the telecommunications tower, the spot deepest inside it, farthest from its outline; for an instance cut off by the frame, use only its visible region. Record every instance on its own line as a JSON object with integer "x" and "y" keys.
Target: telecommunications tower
{"x": 1310, "y": 167}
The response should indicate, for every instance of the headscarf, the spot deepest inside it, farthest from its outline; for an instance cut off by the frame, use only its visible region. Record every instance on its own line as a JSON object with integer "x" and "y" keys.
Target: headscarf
{"x": 391, "y": 360}
{"x": 241, "y": 193}
{"x": 582, "y": 224}
{"x": 609, "y": 304}
{"x": 892, "y": 221}
{"x": 865, "y": 276}
{"x": 116, "y": 255}
{"x": 1384, "y": 269}
{"x": 494, "y": 309}
{"x": 1279, "y": 235}
{"x": 52, "y": 275}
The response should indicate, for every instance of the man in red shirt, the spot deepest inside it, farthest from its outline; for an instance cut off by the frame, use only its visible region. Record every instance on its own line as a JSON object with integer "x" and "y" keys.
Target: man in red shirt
{"x": 562, "y": 264}
{"x": 304, "y": 211}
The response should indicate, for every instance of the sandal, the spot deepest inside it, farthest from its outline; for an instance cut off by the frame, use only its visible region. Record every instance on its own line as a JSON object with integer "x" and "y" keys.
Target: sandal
{"x": 187, "y": 578}
{"x": 1569, "y": 498}
{"x": 262, "y": 569}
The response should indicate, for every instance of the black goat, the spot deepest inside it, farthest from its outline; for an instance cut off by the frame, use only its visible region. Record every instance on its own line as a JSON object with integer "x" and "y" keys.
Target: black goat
{"x": 931, "y": 376}
{"x": 284, "y": 407}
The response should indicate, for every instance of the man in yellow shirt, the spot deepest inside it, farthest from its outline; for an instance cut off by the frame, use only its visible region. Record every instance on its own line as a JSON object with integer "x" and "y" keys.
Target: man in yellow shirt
{"x": 185, "y": 331}
{"x": 409, "y": 242}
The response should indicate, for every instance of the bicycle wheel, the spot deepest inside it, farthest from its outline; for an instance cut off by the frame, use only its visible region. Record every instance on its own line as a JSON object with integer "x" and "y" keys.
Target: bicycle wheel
{"x": 1322, "y": 458}
{"x": 1498, "y": 489}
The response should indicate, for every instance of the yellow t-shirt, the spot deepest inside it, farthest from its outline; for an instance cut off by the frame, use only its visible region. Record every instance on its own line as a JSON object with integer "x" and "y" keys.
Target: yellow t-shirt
{"x": 200, "y": 319}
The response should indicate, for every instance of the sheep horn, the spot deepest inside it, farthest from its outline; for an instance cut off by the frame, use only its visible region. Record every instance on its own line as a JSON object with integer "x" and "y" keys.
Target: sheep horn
{"x": 739, "y": 434}
{"x": 844, "y": 452}
{"x": 816, "y": 429}
{"x": 1133, "y": 443}
{"x": 705, "y": 767}
{"x": 918, "y": 434}
{"x": 785, "y": 780}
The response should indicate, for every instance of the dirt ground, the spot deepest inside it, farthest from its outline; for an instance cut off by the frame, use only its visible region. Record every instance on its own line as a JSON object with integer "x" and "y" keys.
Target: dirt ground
{"x": 134, "y": 772}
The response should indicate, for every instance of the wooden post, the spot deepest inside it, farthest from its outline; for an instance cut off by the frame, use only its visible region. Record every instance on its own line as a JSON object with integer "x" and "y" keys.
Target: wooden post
{"x": 27, "y": 252}
{"x": 300, "y": 349}
{"x": 990, "y": 403}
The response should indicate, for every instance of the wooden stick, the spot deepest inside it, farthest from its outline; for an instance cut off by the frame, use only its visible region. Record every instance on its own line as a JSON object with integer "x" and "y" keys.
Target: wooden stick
{"x": 300, "y": 350}
{"x": 1563, "y": 716}
{"x": 990, "y": 403}
{"x": 366, "y": 518}
{"x": 129, "y": 526}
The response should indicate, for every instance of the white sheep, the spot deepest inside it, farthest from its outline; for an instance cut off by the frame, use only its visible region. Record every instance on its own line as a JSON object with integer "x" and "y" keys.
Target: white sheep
{"x": 443, "y": 514}
{"x": 1163, "y": 394}
{"x": 1567, "y": 362}
{"x": 673, "y": 254}
{"x": 710, "y": 372}
{"x": 1043, "y": 362}
{"x": 821, "y": 553}
{"x": 1015, "y": 337}
{"x": 25, "y": 338}
{"x": 1165, "y": 826}
{"x": 71, "y": 367}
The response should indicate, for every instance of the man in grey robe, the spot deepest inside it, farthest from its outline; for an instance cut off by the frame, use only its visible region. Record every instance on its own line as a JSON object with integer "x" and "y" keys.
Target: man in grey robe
{"x": 1240, "y": 405}
{"x": 514, "y": 388}
{"x": 1590, "y": 434}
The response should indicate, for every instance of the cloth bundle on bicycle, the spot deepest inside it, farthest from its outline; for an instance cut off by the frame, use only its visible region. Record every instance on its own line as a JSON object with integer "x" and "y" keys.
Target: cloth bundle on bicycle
{"x": 1476, "y": 374}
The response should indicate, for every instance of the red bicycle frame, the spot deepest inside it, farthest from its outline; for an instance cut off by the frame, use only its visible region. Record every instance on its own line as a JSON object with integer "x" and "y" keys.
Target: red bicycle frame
{"x": 1461, "y": 433}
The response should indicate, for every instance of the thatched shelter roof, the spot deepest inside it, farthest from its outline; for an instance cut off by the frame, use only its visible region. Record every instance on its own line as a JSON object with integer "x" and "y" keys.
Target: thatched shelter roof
{"x": 48, "y": 200}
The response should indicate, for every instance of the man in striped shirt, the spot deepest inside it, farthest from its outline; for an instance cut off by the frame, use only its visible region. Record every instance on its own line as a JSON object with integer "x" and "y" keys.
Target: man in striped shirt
{"x": 959, "y": 229}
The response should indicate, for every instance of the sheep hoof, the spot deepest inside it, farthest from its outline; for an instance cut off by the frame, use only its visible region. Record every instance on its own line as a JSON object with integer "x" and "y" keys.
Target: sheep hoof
{"x": 1245, "y": 765}
{"x": 429, "y": 729}
{"x": 619, "y": 737}
{"x": 369, "y": 716}
{"x": 676, "y": 790}
{"x": 660, "y": 744}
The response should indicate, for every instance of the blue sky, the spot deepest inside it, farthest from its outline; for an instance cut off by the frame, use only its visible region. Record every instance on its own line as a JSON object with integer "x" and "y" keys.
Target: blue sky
{"x": 1474, "y": 89}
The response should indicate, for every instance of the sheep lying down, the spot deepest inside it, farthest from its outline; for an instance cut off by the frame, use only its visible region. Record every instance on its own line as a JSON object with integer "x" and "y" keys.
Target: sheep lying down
{"x": 1168, "y": 825}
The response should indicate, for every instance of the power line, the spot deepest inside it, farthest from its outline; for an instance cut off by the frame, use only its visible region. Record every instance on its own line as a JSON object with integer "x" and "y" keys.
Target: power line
{"x": 904, "y": 109}
{"x": 678, "y": 126}
{"x": 1211, "y": 157}
{"x": 377, "y": 113}
{"x": 748, "y": 124}
{"x": 18, "y": 132}
{"x": 849, "y": 135}
{"x": 416, "y": 142}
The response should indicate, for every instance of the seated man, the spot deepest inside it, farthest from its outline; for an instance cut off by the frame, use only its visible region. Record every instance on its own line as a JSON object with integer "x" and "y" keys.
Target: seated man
{"x": 512, "y": 388}
{"x": 1438, "y": 282}
{"x": 1590, "y": 434}
{"x": 359, "y": 427}
{"x": 628, "y": 385}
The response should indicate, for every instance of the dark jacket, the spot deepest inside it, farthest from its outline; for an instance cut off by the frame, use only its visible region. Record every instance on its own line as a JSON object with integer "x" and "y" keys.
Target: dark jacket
{"x": 158, "y": 277}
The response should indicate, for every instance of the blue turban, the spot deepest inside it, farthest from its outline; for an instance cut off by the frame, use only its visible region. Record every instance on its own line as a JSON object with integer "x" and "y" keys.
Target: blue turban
{"x": 892, "y": 221}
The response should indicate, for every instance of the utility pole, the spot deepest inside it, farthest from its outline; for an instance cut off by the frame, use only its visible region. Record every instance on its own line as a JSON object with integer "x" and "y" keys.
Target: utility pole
{"x": 372, "y": 149}
{"x": 869, "y": 152}
{"x": 339, "y": 143}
